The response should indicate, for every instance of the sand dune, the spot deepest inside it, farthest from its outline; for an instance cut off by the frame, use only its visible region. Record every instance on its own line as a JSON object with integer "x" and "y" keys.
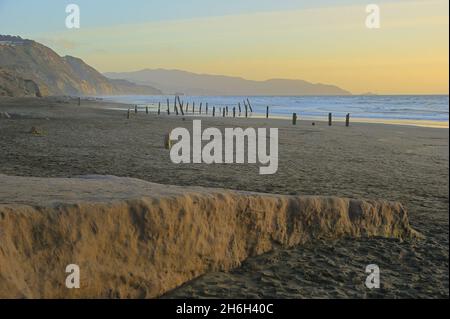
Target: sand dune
{"x": 135, "y": 239}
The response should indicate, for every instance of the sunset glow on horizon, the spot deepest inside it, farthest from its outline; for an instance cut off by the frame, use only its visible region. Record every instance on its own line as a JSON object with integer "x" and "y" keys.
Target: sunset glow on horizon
{"x": 327, "y": 43}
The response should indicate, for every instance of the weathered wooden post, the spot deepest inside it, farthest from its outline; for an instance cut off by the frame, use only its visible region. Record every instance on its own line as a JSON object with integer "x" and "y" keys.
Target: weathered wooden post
{"x": 234, "y": 111}
{"x": 187, "y": 107}
{"x": 214, "y": 111}
{"x": 223, "y": 112}
{"x": 267, "y": 112}
{"x": 294, "y": 119}
{"x": 249, "y": 105}
{"x": 240, "y": 111}
{"x": 128, "y": 114}
{"x": 200, "y": 110}
{"x": 246, "y": 110}
{"x": 176, "y": 110}
{"x": 175, "y": 105}
{"x": 193, "y": 107}
{"x": 347, "y": 120}
{"x": 330, "y": 119}
{"x": 135, "y": 109}
{"x": 79, "y": 101}
{"x": 159, "y": 108}
{"x": 206, "y": 107}
{"x": 181, "y": 108}
{"x": 227, "y": 110}
{"x": 168, "y": 107}
{"x": 167, "y": 142}
{"x": 146, "y": 109}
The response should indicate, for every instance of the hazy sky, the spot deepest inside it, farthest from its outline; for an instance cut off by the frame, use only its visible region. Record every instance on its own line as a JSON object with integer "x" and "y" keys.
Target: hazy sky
{"x": 318, "y": 41}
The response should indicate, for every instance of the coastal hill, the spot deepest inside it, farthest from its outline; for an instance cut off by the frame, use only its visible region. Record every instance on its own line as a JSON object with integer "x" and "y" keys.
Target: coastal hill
{"x": 25, "y": 64}
{"x": 174, "y": 81}
{"x": 28, "y": 68}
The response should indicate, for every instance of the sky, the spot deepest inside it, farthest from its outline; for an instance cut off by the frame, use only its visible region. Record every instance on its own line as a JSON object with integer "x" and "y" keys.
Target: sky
{"x": 314, "y": 40}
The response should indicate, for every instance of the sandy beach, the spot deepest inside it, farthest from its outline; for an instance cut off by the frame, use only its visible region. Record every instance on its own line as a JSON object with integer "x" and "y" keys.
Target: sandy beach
{"x": 372, "y": 161}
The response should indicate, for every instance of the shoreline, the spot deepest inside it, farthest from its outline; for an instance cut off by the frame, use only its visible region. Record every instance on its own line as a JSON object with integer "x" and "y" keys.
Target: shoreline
{"x": 401, "y": 122}
{"x": 100, "y": 103}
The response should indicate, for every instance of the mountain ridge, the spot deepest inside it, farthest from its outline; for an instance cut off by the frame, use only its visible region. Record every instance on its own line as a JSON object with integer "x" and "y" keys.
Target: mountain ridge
{"x": 29, "y": 67}
{"x": 56, "y": 75}
{"x": 190, "y": 83}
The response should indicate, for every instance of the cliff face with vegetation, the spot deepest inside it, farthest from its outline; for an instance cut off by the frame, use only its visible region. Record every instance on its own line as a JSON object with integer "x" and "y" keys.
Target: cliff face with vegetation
{"x": 13, "y": 85}
{"x": 56, "y": 75}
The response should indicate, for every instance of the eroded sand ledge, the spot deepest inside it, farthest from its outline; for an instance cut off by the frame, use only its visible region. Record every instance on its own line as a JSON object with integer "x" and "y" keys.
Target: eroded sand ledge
{"x": 134, "y": 239}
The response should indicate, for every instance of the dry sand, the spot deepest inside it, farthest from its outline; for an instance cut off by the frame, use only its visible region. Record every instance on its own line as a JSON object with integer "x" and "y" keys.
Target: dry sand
{"x": 372, "y": 161}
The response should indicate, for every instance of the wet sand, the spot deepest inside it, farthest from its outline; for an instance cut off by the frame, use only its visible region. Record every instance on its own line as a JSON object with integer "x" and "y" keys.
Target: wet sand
{"x": 397, "y": 163}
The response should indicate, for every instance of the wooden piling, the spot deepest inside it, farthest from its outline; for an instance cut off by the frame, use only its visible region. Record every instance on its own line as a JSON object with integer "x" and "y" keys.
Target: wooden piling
{"x": 79, "y": 101}
{"x": 128, "y": 114}
{"x": 135, "y": 109}
{"x": 347, "y": 120}
{"x": 246, "y": 110}
{"x": 200, "y": 110}
{"x": 214, "y": 111}
{"x": 267, "y": 112}
{"x": 193, "y": 107}
{"x": 234, "y": 111}
{"x": 167, "y": 142}
{"x": 159, "y": 108}
{"x": 294, "y": 119}
{"x": 207, "y": 108}
{"x": 181, "y": 108}
{"x": 249, "y": 105}
{"x": 146, "y": 109}
{"x": 223, "y": 112}
{"x": 168, "y": 107}
{"x": 175, "y": 105}
{"x": 240, "y": 111}
{"x": 330, "y": 119}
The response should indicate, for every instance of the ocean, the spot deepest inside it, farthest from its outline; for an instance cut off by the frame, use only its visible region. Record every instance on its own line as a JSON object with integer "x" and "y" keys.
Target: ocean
{"x": 378, "y": 107}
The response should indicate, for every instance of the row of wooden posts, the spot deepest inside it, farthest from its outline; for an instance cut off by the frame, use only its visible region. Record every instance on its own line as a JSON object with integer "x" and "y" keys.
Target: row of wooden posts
{"x": 330, "y": 119}
{"x": 178, "y": 107}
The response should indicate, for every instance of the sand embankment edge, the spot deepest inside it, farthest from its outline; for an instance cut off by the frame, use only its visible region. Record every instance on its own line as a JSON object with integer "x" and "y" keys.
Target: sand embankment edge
{"x": 141, "y": 246}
